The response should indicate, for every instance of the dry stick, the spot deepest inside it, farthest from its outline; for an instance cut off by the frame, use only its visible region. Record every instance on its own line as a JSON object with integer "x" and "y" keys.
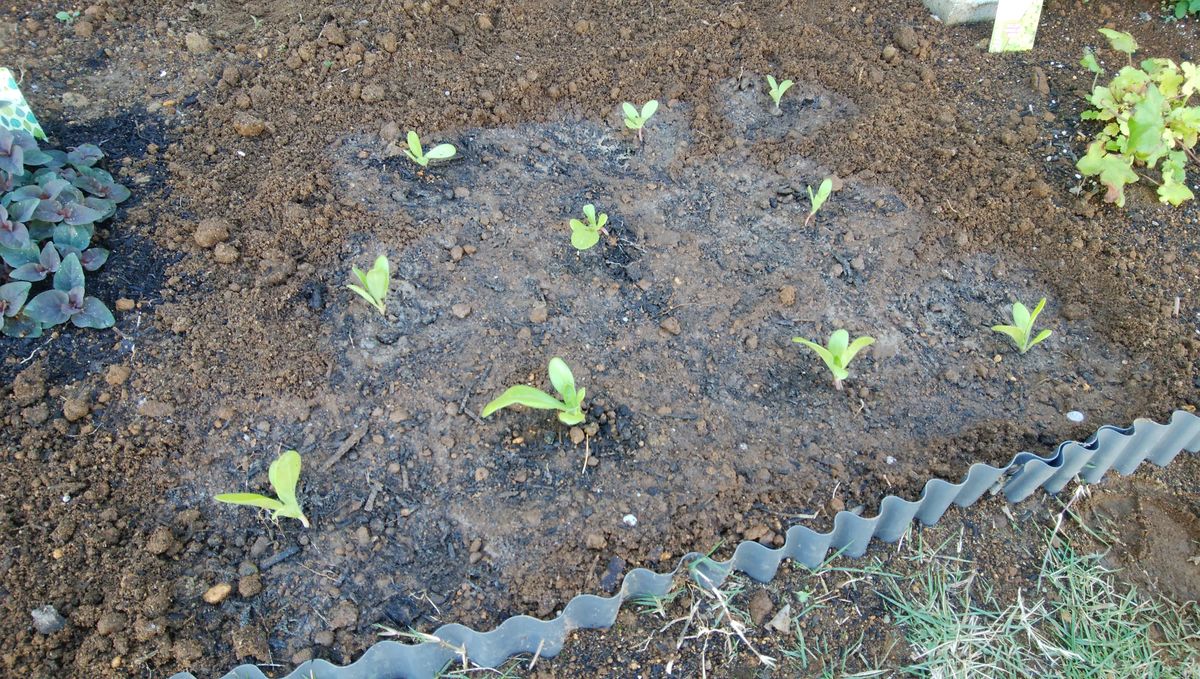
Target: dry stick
{"x": 587, "y": 452}
{"x": 351, "y": 441}
{"x": 537, "y": 654}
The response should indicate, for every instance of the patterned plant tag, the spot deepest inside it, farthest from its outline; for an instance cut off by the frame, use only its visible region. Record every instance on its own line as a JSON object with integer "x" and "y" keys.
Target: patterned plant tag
{"x": 15, "y": 113}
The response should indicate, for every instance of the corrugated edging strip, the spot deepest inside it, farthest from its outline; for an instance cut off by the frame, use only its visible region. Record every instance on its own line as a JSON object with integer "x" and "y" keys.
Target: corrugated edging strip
{"x": 1110, "y": 448}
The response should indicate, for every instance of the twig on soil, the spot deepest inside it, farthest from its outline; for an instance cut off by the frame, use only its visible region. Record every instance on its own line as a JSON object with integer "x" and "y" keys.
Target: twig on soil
{"x": 351, "y": 441}
{"x": 537, "y": 654}
{"x": 37, "y": 349}
{"x": 587, "y": 452}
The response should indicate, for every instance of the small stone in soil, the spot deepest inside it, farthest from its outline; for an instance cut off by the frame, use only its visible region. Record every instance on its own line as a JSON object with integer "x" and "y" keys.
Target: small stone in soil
{"x": 538, "y": 314}
{"x": 595, "y": 541}
{"x": 125, "y": 304}
{"x": 217, "y": 593}
{"x": 760, "y": 607}
{"x": 787, "y": 295}
{"x": 671, "y": 325}
{"x": 460, "y": 310}
{"x": 46, "y": 620}
{"x": 576, "y": 435}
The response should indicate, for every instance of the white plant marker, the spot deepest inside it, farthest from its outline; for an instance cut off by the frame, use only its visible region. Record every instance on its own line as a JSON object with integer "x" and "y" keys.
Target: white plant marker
{"x": 1016, "y": 25}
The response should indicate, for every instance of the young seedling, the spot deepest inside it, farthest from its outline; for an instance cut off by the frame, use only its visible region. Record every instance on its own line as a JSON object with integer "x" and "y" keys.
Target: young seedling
{"x": 838, "y": 353}
{"x": 284, "y": 474}
{"x": 585, "y": 235}
{"x": 777, "y": 90}
{"x": 1022, "y": 328}
{"x": 635, "y": 120}
{"x": 816, "y": 200}
{"x": 66, "y": 17}
{"x": 375, "y": 283}
{"x": 420, "y": 157}
{"x": 570, "y": 410}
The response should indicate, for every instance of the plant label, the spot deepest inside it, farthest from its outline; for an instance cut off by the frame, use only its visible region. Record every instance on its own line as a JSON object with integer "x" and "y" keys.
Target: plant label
{"x": 1016, "y": 25}
{"x": 15, "y": 113}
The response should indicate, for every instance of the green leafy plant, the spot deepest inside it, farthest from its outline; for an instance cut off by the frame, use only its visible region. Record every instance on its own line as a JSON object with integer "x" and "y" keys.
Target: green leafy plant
{"x": 777, "y": 90}
{"x": 284, "y": 474}
{"x": 586, "y": 234}
{"x": 570, "y": 409}
{"x": 817, "y": 200}
{"x": 1022, "y": 328}
{"x": 421, "y": 157}
{"x": 50, "y": 203}
{"x": 67, "y": 18}
{"x": 636, "y": 120}
{"x": 375, "y": 283}
{"x": 1182, "y": 8}
{"x": 838, "y": 353}
{"x": 1148, "y": 123}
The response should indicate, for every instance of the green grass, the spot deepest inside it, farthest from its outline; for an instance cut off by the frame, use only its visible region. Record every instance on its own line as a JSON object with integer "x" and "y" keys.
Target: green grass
{"x": 1080, "y": 624}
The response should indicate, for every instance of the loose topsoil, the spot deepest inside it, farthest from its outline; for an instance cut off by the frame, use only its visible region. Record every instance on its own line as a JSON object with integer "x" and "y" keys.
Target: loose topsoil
{"x": 261, "y": 141}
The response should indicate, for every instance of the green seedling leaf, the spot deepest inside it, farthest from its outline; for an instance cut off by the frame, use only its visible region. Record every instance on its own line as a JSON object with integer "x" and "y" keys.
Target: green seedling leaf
{"x": 585, "y": 234}
{"x": 1021, "y": 331}
{"x": 1090, "y": 62}
{"x": 284, "y": 474}
{"x": 817, "y": 200}
{"x": 570, "y": 410}
{"x": 838, "y": 352}
{"x": 417, "y": 154}
{"x": 375, "y": 283}
{"x": 442, "y": 152}
{"x": 777, "y": 89}
{"x": 1120, "y": 41}
{"x": 634, "y": 119}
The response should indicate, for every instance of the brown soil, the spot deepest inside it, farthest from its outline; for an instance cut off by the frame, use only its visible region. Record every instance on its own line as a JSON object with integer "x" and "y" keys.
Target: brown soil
{"x": 955, "y": 172}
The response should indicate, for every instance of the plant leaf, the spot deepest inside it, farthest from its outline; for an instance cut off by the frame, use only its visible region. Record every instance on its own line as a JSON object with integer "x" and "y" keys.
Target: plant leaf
{"x": 589, "y": 211}
{"x": 94, "y": 315}
{"x": 584, "y": 238}
{"x": 379, "y": 279}
{"x": 1115, "y": 171}
{"x": 1089, "y": 61}
{"x": 49, "y": 308}
{"x": 1036, "y": 310}
{"x": 1014, "y": 333}
{"x": 771, "y": 81}
{"x": 414, "y": 146}
{"x": 562, "y": 379}
{"x": 1120, "y": 41}
{"x": 649, "y": 109}
{"x": 13, "y": 296}
{"x": 250, "y": 500}
{"x": 571, "y": 417}
{"x": 284, "y": 474}
{"x": 855, "y": 347}
{"x": 523, "y": 395}
{"x": 838, "y": 341}
{"x": 441, "y": 152}
{"x": 827, "y": 357}
{"x": 1040, "y": 336}
{"x": 365, "y": 295}
{"x": 630, "y": 112}
{"x": 70, "y": 274}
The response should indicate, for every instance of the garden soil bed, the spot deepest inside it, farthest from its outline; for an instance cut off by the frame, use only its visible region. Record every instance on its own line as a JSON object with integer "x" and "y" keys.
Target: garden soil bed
{"x": 955, "y": 173}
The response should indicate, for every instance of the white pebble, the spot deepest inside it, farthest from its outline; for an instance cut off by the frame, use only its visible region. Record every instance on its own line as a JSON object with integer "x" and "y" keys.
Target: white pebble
{"x": 629, "y": 520}
{"x": 891, "y": 460}
{"x": 1075, "y": 416}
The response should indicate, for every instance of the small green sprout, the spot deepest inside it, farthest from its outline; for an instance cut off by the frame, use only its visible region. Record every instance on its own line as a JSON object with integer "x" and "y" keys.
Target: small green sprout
{"x": 585, "y": 235}
{"x": 816, "y": 200}
{"x": 420, "y": 157}
{"x": 375, "y": 283}
{"x": 635, "y": 120}
{"x": 67, "y": 18}
{"x": 777, "y": 90}
{"x": 838, "y": 353}
{"x": 1022, "y": 327}
{"x": 570, "y": 410}
{"x": 284, "y": 474}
